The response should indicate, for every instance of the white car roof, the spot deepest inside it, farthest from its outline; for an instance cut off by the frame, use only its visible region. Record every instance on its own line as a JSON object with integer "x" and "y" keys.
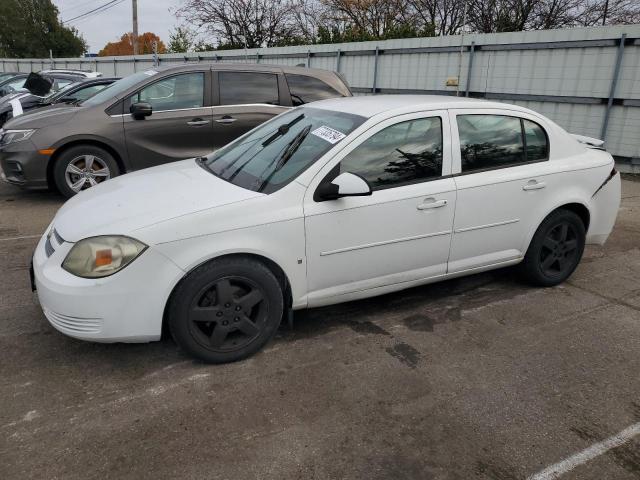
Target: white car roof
{"x": 371, "y": 105}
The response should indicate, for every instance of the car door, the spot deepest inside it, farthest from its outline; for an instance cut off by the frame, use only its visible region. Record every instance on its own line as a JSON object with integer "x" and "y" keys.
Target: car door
{"x": 399, "y": 234}
{"x": 244, "y": 100}
{"x": 180, "y": 125}
{"x": 501, "y": 177}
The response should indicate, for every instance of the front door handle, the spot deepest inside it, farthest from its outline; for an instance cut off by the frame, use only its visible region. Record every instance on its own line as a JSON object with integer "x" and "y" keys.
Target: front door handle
{"x": 534, "y": 185}
{"x": 197, "y": 122}
{"x": 226, "y": 119}
{"x": 430, "y": 203}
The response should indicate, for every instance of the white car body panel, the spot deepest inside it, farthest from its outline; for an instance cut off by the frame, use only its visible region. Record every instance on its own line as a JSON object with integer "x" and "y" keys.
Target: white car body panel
{"x": 329, "y": 251}
{"x": 359, "y": 243}
{"x": 143, "y": 198}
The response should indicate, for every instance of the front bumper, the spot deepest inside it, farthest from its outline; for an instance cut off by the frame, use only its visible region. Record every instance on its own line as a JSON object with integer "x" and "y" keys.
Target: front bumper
{"x": 125, "y": 307}
{"x": 22, "y": 165}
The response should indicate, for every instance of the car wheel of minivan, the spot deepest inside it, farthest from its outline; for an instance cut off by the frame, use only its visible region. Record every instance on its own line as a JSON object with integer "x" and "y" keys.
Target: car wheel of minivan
{"x": 82, "y": 167}
{"x": 226, "y": 310}
{"x": 555, "y": 250}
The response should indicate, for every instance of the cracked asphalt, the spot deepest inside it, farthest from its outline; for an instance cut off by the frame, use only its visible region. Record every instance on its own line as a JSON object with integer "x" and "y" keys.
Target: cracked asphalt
{"x": 474, "y": 378}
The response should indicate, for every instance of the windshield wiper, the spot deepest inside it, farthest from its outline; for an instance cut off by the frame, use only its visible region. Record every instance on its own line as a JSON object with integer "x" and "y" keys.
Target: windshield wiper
{"x": 282, "y": 130}
{"x": 288, "y": 152}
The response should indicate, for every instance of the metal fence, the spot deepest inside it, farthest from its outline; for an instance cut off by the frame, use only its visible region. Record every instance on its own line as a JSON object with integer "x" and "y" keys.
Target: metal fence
{"x": 585, "y": 79}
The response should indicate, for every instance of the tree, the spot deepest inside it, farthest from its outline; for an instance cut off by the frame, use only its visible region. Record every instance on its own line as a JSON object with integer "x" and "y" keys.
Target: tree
{"x": 181, "y": 40}
{"x": 125, "y": 45}
{"x": 267, "y": 23}
{"x": 240, "y": 23}
{"x": 30, "y": 28}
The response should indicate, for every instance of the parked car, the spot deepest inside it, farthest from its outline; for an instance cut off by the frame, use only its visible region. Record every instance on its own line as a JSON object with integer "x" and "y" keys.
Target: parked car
{"x": 74, "y": 71}
{"x": 17, "y": 84}
{"x": 8, "y": 75}
{"x": 16, "y": 104}
{"x": 153, "y": 117}
{"x": 12, "y": 83}
{"x": 335, "y": 201}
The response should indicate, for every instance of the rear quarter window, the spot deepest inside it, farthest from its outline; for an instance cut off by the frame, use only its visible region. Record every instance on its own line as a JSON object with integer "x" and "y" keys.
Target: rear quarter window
{"x": 305, "y": 89}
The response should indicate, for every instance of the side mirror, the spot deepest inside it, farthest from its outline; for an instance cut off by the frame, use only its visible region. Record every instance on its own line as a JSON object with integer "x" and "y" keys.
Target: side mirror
{"x": 68, "y": 100}
{"x": 140, "y": 110}
{"x": 344, "y": 185}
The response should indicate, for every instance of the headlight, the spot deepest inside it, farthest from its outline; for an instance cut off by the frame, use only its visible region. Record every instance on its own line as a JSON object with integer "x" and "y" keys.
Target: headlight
{"x": 14, "y": 136}
{"x": 97, "y": 257}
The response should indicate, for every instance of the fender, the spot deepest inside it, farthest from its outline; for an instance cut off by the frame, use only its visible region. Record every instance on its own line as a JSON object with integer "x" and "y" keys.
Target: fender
{"x": 122, "y": 157}
{"x": 554, "y": 206}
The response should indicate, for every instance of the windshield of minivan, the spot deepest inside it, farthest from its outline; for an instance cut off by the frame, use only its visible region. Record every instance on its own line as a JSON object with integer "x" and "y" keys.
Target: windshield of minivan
{"x": 117, "y": 88}
{"x": 276, "y": 152}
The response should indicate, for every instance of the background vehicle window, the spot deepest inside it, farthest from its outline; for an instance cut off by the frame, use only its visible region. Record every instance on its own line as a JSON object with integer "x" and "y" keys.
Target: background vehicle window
{"x": 237, "y": 88}
{"x": 15, "y": 85}
{"x": 306, "y": 89}
{"x": 60, "y": 83}
{"x": 173, "y": 93}
{"x": 402, "y": 154}
{"x": 535, "y": 140}
{"x": 85, "y": 93}
{"x": 489, "y": 141}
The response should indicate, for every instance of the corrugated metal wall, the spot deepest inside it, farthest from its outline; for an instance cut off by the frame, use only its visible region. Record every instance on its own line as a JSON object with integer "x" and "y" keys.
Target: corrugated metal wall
{"x": 565, "y": 74}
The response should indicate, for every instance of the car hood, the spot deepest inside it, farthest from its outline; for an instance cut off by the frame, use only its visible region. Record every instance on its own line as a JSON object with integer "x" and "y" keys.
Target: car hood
{"x": 43, "y": 118}
{"x": 136, "y": 200}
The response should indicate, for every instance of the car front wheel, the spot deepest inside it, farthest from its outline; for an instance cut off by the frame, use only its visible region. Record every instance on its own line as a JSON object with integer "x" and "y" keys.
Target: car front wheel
{"x": 226, "y": 310}
{"x": 82, "y": 167}
{"x": 555, "y": 250}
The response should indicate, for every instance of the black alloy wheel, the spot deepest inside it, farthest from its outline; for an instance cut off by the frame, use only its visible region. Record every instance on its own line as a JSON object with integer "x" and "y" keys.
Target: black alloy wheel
{"x": 555, "y": 250}
{"x": 559, "y": 249}
{"x": 226, "y": 309}
{"x": 228, "y": 314}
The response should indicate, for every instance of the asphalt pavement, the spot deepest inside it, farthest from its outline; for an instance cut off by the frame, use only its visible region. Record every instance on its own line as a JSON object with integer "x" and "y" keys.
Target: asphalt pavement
{"x": 476, "y": 378}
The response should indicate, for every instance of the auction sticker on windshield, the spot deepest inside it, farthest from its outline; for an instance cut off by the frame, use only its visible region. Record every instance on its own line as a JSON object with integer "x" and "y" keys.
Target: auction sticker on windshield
{"x": 329, "y": 134}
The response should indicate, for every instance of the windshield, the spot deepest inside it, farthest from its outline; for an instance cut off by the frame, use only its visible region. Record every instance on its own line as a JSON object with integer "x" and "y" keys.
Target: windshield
{"x": 117, "y": 88}
{"x": 276, "y": 152}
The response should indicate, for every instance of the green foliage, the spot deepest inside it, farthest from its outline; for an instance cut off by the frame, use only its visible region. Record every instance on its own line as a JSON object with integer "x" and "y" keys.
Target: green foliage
{"x": 30, "y": 28}
{"x": 181, "y": 40}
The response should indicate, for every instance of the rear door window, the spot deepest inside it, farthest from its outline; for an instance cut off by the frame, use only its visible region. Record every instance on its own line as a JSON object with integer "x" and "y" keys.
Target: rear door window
{"x": 240, "y": 88}
{"x": 537, "y": 146}
{"x": 305, "y": 89}
{"x": 499, "y": 141}
{"x": 490, "y": 141}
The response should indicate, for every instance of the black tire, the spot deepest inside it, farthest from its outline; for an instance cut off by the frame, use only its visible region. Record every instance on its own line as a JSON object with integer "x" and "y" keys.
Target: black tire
{"x": 555, "y": 250}
{"x": 101, "y": 163}
{"x": 226, "y": 310}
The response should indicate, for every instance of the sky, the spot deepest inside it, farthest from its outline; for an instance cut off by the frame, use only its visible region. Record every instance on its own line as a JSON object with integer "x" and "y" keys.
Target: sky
{"x": 100, "y": 28}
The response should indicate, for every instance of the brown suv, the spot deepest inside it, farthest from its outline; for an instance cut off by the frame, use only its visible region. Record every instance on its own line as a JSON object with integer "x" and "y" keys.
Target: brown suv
{"x": 153, "y": 117}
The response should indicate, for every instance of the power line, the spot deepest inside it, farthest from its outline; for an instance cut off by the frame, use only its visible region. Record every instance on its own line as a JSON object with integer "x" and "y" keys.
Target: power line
{"x": 79, "y": 5}
{"x": 95, "y": 11}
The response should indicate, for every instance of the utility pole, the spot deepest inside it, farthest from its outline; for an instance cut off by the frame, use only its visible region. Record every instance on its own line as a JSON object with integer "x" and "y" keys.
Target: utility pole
{"x": 135, "y": 26}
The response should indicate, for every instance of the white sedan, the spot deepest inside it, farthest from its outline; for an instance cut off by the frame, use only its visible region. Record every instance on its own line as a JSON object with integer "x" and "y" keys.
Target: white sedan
{"x": 334, "y": 201}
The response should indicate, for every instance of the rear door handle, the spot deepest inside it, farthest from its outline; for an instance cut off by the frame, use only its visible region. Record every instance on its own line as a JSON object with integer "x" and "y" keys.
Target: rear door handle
{"x": 197, "y": 122}
{"x": 430, "y": 203}
{"x": 226, "y": 119}
{"x": 534, "y": 185}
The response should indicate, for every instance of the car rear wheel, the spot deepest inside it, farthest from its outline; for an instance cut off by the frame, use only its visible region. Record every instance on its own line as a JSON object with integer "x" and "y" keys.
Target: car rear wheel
{"x": 82, "y": 167}
{"x": 555, "y": 250}
{"x": 226, "y": 310}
